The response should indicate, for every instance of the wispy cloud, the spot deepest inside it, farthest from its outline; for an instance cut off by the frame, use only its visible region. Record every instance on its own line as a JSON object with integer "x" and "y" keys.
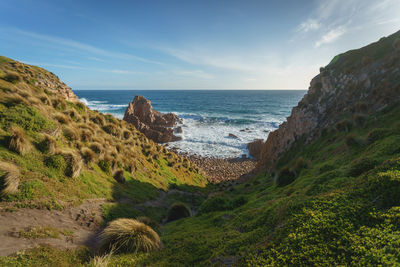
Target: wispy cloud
{"x": 331, "y": 36}
{"x": 115, "y": 71}
{"x": 332, "y": 19}
{"x": 68, "y": 43}
{"x": 309, "y": 25}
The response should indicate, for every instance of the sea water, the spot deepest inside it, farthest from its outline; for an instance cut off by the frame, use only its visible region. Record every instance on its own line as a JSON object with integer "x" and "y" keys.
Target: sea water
{"x": 209, "y": 116}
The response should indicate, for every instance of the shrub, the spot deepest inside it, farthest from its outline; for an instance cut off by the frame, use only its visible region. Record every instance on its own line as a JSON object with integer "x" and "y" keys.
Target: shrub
{"x": 343, "y": 126}
{"x": 352, "y": 140}
{"x": 119, "y": 176}
{"x": 285, "y": 177}
{"x": 18, "y": 142}
{"x": 88, "y": 155}
{"x": 70, "y": 133}
{"x": 48, "y": 144}
{"x": 359, "y": 166}
{"x": 129, "y": 235}
{"x": 360, "y": 120}
{"x": 150, "y": 222}
{"x": 10, "y": 179}
{"x": 300, "y": 164}
{"x": 56, "y": 162}
{"x": 177, "y": 211}
{"x": 215, "y": 203}
{"x": 105, "y": 165}
{"x": 237, "y": 202}
{"x": 74, "y": 163}
{"x": 377, "y": 134}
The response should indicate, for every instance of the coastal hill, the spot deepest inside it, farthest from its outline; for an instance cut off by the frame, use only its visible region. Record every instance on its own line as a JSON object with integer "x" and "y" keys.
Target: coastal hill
{"x": 327, "y": 189}
{"x": 350, "y": 88}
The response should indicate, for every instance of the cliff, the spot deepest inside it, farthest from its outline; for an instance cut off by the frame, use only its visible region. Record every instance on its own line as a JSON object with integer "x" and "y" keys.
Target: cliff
{"x": 353, "y": 85}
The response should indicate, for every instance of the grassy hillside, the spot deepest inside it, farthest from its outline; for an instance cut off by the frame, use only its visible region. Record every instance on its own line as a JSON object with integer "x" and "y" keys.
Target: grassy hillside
{"x": 66, "y": 153}
{"x": 332, "y": 201}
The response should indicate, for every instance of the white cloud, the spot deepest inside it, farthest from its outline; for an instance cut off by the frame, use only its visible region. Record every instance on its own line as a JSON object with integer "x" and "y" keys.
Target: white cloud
{"x": 331, "y": 36}
{"x": 309, "y": 25}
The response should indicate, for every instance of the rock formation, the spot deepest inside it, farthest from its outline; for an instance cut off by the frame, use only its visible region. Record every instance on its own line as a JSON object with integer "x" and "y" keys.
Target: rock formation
{"x": 42, "y": 78}
{"x": 153, "y": 124}
{"x": 255, "y": 148}
{"x": 356, "y": 83}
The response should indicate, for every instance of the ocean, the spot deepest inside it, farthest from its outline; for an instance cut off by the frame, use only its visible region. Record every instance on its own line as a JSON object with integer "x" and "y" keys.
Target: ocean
{"x": 209, "y": 116}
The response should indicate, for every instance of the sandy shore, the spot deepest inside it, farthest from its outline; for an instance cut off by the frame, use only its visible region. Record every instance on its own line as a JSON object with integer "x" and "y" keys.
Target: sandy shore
{"x": 218, "y": 169}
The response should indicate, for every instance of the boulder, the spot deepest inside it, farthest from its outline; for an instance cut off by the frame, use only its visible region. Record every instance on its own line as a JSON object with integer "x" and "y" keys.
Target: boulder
{"x": 153, "y": 124}
{"x": 232, "y": 135}
{"x": 179, "y": 129}
{"x": 255, "y": 148}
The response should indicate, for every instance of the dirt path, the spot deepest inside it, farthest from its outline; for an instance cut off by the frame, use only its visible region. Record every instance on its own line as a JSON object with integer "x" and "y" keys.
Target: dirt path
{"x": 79, "y": 224}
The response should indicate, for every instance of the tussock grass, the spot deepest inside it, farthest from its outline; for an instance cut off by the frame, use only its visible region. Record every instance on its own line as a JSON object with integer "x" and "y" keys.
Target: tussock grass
{"x": 13, "y": 99}
{"x": 70, "y": 133}
{"x": 12, "y": 77}
{"x": 88, "y": 155}
{"x": 10, "y": 179}
{"x": 61, "y": 118}
{"x": 111, "y": 129}
{"x": 119, "y": 176}
{"x": 97, "y": 148}
{"x": 126, "y": 134}
{"x": 48, "y": 144}
{"x": 74, "y": 163}
{"x": 150, "y": 222}
{"x": 85, "y": 135}
{"x": 177, "y": 211}
{"x": 129, "y": 235}
{"x": 97, "y": 118}
{"x": 18, "y": 141}
{"x": 103, "y": 260}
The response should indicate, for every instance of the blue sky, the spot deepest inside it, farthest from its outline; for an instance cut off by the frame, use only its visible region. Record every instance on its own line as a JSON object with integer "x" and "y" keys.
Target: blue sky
{"x": 249, "y": 44}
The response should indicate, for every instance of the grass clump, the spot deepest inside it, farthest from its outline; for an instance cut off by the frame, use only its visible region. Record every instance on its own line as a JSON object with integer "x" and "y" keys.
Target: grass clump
{"x": 18, "y": 141}
{"x": 377, "y": 134}
{"x": 12, "y": 77}
{"x": 129, "y": 235}
{"x": 74, "y": 163}
{"x": 88, "y": 155}
{"x": 56, "y": 162}
{"x": 105, "y": 165}
{"x": 10, "y": 179}
{"x": 360, "y": 166}
{"x": 119, "y": 176}
{"x": 285, "y": 177}
{"x": 177, "y": 211}
{"x": 70, "y": 133}
{"x": 48, "y": 144}
{"x": 150, "y": 222}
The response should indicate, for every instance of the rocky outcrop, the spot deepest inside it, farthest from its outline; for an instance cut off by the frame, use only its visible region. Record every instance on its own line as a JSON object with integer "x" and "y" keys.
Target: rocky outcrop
{"x": 359, "y": 82}
{"x": 153, "y": 124}
{"x": 255, "y": 148}
{"x": 45, "y": 79}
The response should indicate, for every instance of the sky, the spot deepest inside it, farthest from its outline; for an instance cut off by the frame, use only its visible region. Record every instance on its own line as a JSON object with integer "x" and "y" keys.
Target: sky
{"x": 207, "y": 44}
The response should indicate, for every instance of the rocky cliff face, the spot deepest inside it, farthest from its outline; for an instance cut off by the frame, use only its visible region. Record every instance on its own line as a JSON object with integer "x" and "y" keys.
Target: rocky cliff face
{"x": 355, "y": 84}
{"x": 44, "y": 79}
{"x": 153, "y": 124}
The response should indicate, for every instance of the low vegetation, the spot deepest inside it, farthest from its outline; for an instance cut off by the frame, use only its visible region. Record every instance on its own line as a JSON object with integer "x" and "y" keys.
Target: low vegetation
{"x": 129, "y": 235}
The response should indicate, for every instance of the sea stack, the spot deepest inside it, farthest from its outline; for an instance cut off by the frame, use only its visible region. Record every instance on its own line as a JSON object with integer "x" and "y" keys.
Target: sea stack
{"x": 153, "y": 124}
